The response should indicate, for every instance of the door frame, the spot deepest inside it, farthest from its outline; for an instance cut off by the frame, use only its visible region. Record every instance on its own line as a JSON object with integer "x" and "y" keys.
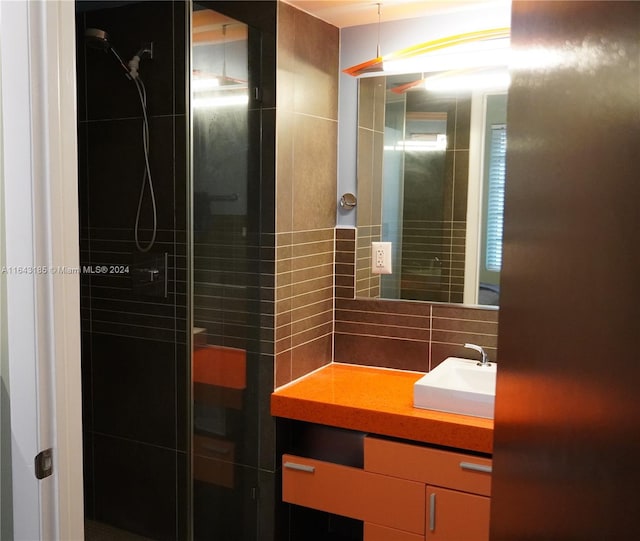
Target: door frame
{"x": 41, "y": 254}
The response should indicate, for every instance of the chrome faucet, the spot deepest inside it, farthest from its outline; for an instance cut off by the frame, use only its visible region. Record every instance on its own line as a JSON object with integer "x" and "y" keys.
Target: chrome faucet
{"x": 485, "y": 358}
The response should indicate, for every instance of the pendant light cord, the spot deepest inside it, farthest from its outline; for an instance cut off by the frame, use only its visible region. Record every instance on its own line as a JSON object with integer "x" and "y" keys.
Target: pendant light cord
{"x": 378, "y": 53}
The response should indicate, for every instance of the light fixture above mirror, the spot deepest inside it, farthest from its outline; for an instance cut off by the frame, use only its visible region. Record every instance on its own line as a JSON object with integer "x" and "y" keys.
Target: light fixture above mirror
{"x": 472, "y": 50}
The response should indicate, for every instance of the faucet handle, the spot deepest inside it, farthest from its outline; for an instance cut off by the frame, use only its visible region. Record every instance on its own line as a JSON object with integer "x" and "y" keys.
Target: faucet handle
{"x": 479, "y": 349}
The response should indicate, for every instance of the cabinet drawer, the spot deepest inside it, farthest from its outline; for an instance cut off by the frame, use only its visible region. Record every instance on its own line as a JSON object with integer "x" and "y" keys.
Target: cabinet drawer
{"x": 431, "y": 466}
{"x": 374, "y": 532}
{"x": 355, "y": 493}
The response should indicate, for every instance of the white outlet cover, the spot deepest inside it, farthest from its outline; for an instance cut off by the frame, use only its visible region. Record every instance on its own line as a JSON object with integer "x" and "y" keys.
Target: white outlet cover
{"x": 381, "y": 257}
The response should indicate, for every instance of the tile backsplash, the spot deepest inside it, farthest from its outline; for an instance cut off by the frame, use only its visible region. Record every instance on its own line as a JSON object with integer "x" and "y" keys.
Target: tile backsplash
{"x": 406, "y": 335}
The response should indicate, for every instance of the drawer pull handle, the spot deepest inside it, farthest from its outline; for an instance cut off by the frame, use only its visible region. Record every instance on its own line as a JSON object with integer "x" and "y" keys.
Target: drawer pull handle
{"x": 475, "y": 467}
{"x": 299, "y": 467}
{"x": 432, "y": 512}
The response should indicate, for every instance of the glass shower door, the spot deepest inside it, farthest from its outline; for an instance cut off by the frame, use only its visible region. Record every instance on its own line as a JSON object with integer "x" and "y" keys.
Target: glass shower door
{"x": 224, "y": 278}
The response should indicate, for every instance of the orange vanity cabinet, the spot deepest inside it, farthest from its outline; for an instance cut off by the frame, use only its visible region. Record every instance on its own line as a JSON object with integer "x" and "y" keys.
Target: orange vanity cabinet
{"x": 458, "y": 486}
{"x": 438, "y": 460}
{"x": 404, "y": 492}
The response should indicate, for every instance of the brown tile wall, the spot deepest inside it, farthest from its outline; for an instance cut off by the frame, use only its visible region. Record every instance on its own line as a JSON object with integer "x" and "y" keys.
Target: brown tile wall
{"x": 345, "y": 263}
{"x": 313, "y": 259}
{"x": 306, "y": 172}
{"x": 402, "y": 334}
{"x": 367, "y": 283}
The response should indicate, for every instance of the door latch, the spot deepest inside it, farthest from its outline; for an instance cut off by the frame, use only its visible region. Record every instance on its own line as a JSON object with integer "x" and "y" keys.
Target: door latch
{"x": 44, "y": 463}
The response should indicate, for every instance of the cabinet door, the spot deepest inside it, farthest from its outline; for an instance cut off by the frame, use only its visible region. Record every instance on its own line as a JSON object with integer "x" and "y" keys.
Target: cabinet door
{"x": 456, "y": 516}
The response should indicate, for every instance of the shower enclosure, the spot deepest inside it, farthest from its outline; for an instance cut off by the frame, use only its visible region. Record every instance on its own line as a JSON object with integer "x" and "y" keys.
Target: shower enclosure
{"x": 176, "y": 184}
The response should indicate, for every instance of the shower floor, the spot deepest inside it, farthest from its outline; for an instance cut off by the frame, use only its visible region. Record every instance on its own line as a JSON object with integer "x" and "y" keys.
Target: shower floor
{"x": 98, "y": 531}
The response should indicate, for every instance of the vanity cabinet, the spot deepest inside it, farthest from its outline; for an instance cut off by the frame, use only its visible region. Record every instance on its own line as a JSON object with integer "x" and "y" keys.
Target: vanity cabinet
{"x": 376, "y": 467}
{"x": 404, "y": 492}
{"x": 458, "y": 486}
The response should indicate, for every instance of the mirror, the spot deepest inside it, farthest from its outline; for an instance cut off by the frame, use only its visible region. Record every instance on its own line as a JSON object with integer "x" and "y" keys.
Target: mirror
{"x": 430, "y": 181}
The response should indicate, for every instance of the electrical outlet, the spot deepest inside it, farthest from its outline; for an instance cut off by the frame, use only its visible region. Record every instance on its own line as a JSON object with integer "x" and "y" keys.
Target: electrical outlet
{"x": 381, "y": 257}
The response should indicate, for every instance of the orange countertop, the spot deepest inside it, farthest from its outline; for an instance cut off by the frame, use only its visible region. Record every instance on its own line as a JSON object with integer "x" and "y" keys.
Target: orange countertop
{"x": 380, "y": 401}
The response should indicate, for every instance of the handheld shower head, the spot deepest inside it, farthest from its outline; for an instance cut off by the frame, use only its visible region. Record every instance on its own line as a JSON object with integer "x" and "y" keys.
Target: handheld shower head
{"x": 97, "y": 39}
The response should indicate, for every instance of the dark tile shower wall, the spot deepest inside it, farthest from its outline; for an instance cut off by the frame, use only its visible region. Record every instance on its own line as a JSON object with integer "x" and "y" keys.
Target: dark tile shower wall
{"x": 306, "y": 118}
{"x": 134, "y": 356}
{"x": 403, "y": 335}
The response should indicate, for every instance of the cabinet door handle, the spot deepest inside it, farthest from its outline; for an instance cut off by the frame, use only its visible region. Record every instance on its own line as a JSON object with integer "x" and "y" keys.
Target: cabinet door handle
{"x": 475, "y": 467}
{"x": 299, "y": 467}
{"x": 432, "y": 512}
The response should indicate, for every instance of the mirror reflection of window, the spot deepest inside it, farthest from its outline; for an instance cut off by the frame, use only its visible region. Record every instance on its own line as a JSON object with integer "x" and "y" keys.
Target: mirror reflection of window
{"x": 493, "y": 186}
{"x": 495, "y": 197}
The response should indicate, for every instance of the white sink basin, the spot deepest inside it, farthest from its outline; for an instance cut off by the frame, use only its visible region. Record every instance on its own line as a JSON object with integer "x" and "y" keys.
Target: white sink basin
{"x": 458, "y": 386}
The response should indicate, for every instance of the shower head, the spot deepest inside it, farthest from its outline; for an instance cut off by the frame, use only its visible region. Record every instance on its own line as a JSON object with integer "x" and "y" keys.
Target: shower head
{"x": 97, "y": 39}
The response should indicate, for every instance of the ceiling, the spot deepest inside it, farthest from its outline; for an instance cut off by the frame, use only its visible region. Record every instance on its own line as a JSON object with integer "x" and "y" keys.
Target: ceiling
{"x": 343, "y": 13}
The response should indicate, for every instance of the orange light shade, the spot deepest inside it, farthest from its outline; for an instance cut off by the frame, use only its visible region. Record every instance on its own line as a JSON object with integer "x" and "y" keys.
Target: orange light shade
{"x": 370, "y": 66}
{"x": 401, "y": 89}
